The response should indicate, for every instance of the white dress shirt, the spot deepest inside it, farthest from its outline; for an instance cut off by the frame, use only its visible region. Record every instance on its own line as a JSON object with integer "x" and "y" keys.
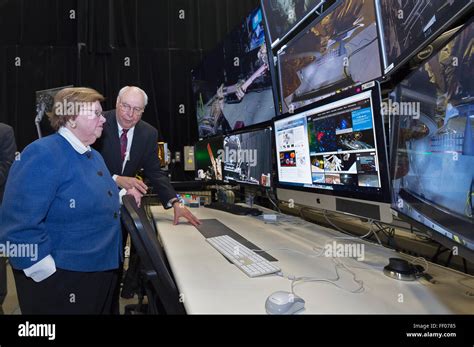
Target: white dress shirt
{"x": 130, "y": 134}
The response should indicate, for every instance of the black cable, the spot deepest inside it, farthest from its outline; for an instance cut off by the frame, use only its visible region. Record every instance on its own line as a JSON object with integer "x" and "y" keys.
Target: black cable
{"x": 450, "y": 256}
{"x": 271, "y": 200}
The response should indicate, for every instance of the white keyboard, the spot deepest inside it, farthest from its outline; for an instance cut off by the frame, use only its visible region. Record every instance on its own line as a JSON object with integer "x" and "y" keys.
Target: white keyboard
{"x": 246, "y": 260}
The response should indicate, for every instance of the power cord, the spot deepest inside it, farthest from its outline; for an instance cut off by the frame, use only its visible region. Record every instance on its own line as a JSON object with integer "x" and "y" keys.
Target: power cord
{"x": 416, "y": 260}
{"x": 271, "y": 200}
{"x": 338, "y": 264}
{"x": 371, "y": 230}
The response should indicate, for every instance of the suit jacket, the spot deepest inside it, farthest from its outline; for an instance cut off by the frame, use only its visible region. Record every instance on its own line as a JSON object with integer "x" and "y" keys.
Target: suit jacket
{"x": 143, "y": 155}
{"x": 7, "y": 154}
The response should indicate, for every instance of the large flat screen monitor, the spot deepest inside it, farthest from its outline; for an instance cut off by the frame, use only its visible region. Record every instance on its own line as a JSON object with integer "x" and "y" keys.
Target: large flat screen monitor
{"x": 44, "y": 106}
{"x": 233, "y": 86}
{"x": 284, "y": 16}
{"x": 332, "y": 156}
{"x": 339, "y": 49}
{"x": 408, "y": 26}
{"x": 248, "y": 158}
{"x": 433, "y": 144}
{"x": 208, "y": 159}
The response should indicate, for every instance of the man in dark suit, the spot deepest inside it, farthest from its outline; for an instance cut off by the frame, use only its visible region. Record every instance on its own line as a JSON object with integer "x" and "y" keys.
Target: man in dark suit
{"x": 7, "y": 156}
{"x": 129, "y": 144}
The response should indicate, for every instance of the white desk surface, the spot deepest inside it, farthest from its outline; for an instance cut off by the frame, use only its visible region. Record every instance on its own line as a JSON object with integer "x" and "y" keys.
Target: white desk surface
{"x": 210, "y": 284}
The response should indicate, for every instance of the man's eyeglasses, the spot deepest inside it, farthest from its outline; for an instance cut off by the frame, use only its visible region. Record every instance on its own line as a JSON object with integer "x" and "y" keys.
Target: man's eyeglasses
{"x": 128, "y": 108}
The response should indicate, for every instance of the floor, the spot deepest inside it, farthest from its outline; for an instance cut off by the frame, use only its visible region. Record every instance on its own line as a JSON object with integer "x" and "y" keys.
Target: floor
{"x": 10, "y": 305}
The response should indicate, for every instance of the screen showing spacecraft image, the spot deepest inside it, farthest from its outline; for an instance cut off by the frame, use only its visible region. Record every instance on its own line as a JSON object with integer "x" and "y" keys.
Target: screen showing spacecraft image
{"x": 337, "y": 51}
{"x": 248, "y": 157}
{"x": 233, "y": 87}
{"x": 283, "y": 15}
{"x": 433, "y": 153}
{"x": 406, "y": 25}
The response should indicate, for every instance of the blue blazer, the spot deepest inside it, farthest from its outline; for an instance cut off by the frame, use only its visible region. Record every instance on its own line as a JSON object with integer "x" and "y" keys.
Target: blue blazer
{"x": 65, "y": 203}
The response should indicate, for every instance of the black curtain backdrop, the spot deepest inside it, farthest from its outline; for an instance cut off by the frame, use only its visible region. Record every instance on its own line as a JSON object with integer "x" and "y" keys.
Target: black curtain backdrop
{"x": 107, "y": 44}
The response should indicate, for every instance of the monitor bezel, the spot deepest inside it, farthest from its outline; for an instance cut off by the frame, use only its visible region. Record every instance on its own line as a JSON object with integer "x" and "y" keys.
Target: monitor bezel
{"x": 385, "y": 195}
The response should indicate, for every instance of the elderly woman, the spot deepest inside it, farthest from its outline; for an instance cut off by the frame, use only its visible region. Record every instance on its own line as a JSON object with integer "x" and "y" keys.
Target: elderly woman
{"x": 62, "y": 207}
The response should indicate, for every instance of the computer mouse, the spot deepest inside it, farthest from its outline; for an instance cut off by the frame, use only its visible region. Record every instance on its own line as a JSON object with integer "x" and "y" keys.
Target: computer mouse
{"x": 282, "y": 302}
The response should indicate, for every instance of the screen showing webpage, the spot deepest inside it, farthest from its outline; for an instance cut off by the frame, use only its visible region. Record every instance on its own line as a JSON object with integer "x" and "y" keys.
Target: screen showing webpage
{"x": 330, "y": 147}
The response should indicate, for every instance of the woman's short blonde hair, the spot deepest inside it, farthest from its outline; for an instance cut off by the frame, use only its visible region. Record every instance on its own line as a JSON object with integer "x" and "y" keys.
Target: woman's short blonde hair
{"x": 68, "y": 101}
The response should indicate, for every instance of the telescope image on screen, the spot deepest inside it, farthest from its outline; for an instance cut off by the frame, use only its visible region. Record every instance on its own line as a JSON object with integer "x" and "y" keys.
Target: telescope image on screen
{"x": 408, "y": 25}
{"x": 248, "y": 157}
{"x": 233, "y": 87}
{"x": 337, "y": 51}
{"x": 283, "y": 15}
{"x": 433, "y": 148}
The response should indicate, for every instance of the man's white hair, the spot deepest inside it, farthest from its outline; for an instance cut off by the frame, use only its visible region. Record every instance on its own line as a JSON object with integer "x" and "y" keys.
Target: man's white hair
{"x": 126, "y": 88}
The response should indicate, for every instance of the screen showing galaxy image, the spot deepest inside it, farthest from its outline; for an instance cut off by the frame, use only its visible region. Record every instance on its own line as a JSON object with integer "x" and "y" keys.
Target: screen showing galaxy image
{"x": 322, "y": 135}
{"x": 232, "y": 87}
{"x": 433, "y": 150}
{"x": 408, "y": 25}
{"x": 356, "y": 140}
{"x": 338, "y": 50}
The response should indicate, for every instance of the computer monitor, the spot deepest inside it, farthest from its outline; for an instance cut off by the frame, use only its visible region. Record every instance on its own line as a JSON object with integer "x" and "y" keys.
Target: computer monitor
{"x": 332, "y": 155}
{"x": 44, "y": 105}
{"x": 233, "y": 87}
{"x": 338, "y": 49}
{"x": 208, "y": 155}
{"x": 284, "y": 16}
{"x": 406, "y": 27}
{"x": 433, "y": 145}
{"x": 248, "y": 158}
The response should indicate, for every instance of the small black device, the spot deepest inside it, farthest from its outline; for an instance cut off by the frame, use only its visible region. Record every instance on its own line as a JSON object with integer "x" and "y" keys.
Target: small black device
{"x": 234, "y": 209}
{"x": 402, "y": 270}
